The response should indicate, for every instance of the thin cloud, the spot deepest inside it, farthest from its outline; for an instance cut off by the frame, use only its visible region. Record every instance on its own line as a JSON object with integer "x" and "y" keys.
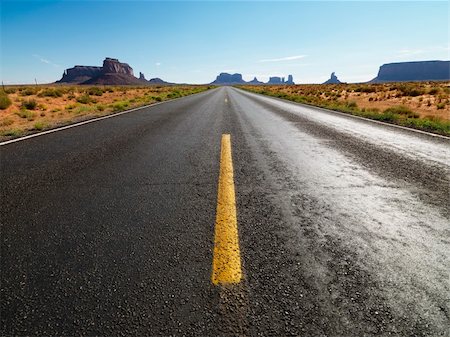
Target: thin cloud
{"x": 281, "y": 59}
{"x": 43, "y": 60}
{"x": 413, "y": 52}
{"x": 157, "y": 64}
{"x": 410, "y": 52}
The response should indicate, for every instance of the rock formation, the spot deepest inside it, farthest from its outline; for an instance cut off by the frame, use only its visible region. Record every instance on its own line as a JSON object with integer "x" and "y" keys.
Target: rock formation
{"x": 281, "y": 80}
{"x": 112, "y": 72}
{"x": 115, "y": 73}
{"x": 157, "y": 80}
{"x": 225, "y": 78}
{"x": 290, "y": 80}
{"x": 79, "y": 74}
{"x": 113, "y": 66}
{"x": 414, "y": 71}
{"x": 115, "y": 79}
{"x": 275, "y": 80}
{"x": 255, "y": 81}
{"x": 229, "y": 79}
{"x": 333, "y": 79}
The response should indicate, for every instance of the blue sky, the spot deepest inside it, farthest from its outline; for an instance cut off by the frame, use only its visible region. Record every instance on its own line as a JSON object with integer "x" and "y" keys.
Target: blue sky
{"x": 192, "y": 42}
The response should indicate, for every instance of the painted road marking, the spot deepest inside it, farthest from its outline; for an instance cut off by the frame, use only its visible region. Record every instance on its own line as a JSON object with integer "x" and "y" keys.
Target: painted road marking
{"x": 227, "y": 257}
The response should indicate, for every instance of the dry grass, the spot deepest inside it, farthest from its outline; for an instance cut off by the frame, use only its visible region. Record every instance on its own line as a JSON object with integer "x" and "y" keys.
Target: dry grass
{"x": 36, "y": 108}
{"x": 423, "y": 105}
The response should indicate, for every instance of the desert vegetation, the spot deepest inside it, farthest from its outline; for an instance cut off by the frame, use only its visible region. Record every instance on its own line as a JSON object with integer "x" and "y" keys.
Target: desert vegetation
{"x": 421, "y": 105}
{"x": 26, "y": 109}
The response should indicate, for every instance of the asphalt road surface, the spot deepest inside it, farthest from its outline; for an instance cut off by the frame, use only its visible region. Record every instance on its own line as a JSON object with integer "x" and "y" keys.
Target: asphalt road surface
{"x": 107, "y": 229}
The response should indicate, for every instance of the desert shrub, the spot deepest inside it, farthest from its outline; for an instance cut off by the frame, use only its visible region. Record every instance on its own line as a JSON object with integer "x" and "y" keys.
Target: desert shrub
{"x": 100, "y": 107}
{"x": 27, "y": 91}
{"x": 96, "y": 91}
{"x": 352, "y": 105}
{"x": 30, "y": 104}
{"x": 440, "y": 106}
{"x": 281, "y": 95}
{"x": 386, "y": 117}
{"x": 26, "y": 114}
{"x": 174, "y": 94}
{"x": 84, "y": 99}
{"x": 11, "y": 133}
{"x": 10, "y": 90}
{"x": 6, "y": 122}
{"x": 416, "y": 92}
{"x": 410, "y": 90}
{"x": 402, "y": 111}
{"x": 41, "y": 106}
{"x": 50, "y": 92}
{"x": 367, "y": 89}
{"x": 5, "y": 101}
{"x": 120, "y": 106}
{"x": 373, "y": 110}
{"x": 39, "y": 126}
{"x": 430, "y": 124}
{"x": 301, "y": 99}
{"x": 434, "y": 90}
{"x": 82, "y": 109}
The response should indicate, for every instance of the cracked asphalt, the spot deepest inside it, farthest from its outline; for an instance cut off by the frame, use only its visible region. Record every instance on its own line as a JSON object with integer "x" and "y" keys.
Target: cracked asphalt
{"x": 107, "y": 229}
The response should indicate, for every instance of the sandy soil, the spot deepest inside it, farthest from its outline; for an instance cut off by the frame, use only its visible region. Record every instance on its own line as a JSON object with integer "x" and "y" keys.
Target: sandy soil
{"x": 53, "y": 111}
{"x": 433, "y": 99}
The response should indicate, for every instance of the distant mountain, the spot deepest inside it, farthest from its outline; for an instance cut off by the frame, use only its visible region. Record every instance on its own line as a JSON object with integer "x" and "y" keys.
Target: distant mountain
{"x": 157, "y": 80}
{"x": 80, "y": 74}
{"x": 333, "y": 79}
{"x": 414, "y": 71}
{"x": 275, "y": 80}
{"x": 112, "y": 72}
{"x": 230, "y": 79}
{"x": 290, "y": 80}
{"x": 142, "y": 76}
{"x": 114, "y": 79}
{"x": 255, "y": 81}
{"x": 225, "y": 78}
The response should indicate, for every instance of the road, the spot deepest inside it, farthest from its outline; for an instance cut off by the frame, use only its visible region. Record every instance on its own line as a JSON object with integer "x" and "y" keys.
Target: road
{"x": 108, "y": 228}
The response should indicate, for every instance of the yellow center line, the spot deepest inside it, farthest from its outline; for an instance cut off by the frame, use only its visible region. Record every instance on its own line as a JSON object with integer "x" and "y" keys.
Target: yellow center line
{"x": 227, "y": 258}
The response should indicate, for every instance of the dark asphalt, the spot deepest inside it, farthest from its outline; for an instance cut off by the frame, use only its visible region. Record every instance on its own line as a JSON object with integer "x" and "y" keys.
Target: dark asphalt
{"x": 107, "y": 229}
